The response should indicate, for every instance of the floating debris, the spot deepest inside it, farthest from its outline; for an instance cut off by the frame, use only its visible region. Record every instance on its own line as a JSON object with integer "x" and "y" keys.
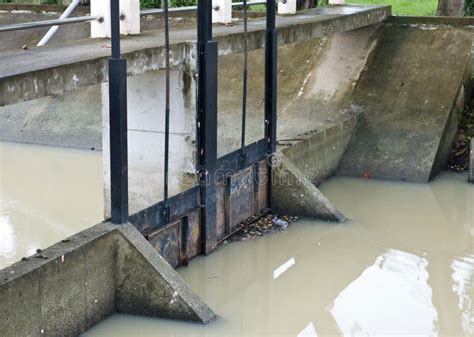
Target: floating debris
{"x": 280, "y": 223}
{"x": 268, "y": 223}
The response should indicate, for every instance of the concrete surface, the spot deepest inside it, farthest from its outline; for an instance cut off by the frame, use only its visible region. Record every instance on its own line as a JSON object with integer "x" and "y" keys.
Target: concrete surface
{"x": 76, "y": 283}
{"x": 146, "y": 119}
{"x": 407, "y": 94}
{"x": 317, "y": 154}
{"x": 294, "y": 194}
{"x": 31, "y": 74}
{"x": 72, "y": 119}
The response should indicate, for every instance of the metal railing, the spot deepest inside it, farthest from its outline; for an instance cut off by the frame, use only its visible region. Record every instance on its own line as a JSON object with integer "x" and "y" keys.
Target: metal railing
{"x": 49, "y": 23}
{"x": 194, "y": 8}
{"x": 100, "y": 18}
{"x": 54, "y": 29}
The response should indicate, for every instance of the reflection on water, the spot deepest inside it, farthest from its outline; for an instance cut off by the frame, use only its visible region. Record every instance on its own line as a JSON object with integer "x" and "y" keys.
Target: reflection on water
{"x": 46, "y": 194}
{"x": 395, "y": 290}
{"x": 463, "y": 275}
{"x": 7, "y": 236}
{"x": 386, "y": 272}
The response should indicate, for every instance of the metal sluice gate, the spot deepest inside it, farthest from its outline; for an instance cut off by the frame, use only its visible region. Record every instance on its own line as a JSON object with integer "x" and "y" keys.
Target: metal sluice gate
{"x": 231, "y": 188}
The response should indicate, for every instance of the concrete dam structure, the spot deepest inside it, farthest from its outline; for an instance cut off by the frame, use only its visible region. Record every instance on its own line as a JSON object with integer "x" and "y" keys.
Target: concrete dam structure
{"x": 359, "y": 93}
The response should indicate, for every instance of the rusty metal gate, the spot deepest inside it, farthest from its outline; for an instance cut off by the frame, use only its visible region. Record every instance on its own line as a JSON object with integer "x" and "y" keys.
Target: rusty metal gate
{"x": 231, "y": 188}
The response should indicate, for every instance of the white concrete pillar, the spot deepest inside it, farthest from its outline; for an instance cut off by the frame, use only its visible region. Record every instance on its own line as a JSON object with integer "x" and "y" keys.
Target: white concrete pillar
{"x": 337, "y": 2}
{"x": 130, "y": 25}
{"x": 287, "y": 7}
{"x": 221, "y": 11}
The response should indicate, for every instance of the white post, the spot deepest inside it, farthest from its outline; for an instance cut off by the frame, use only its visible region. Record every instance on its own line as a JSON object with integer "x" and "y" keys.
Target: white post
{"x": 287, "y": 7}
{"x": 221, "y": 11}
{"x": 337, "y": 2}
{"x": 129, "y": 25}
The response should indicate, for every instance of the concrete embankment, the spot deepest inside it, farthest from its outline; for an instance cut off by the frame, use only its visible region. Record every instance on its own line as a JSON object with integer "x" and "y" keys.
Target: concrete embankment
{"x": 74, "y": 284}
{"x": 408, "y": 93}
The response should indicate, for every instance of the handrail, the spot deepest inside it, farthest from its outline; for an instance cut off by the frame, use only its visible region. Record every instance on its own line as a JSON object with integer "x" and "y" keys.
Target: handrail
{"x": 194, "y": 8}
{"x": 49, "y": 23}
{"x": 100, "y": 18}
{"x": 54, "y": 29}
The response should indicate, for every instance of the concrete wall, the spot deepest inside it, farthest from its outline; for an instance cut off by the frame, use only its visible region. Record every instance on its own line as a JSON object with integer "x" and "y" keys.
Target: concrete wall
{"x": 318, "y": 154}
{"x": 408, "y": 100}
{"x": 76, "y": 283}
{"x": 146, "y": 120}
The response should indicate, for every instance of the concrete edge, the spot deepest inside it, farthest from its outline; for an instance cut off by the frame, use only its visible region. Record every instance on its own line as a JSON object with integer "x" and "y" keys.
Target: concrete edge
{"x": 156, "y": 262}
{"x": 318, "y": 153}
{"x": 294, "y": 194}
{"x": 46, "y": 84}
{"x": 74, "y": 284}
{"x": 54, "y": 252}
{"x": 448, "y": 135}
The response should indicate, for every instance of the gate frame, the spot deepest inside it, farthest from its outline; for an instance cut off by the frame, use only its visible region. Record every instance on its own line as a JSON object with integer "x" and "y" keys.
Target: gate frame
{"x": 201, "y": 197}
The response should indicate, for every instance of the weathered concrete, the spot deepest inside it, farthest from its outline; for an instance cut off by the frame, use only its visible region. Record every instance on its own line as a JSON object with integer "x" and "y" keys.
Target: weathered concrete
{"x": 294, "y": 194}
{"x": 72, "y": 119}
{"x": 146, "y": 117}
{"x": 74, "y": 284}
{"x": 407, "y": 93}
{"x": 317, "y": 154}
{"x": 471, "y": 162}
{"x": 48, "y": 71}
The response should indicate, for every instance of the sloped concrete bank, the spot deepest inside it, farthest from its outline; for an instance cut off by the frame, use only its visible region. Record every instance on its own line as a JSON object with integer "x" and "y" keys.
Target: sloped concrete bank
{"x": 74, "y": 284}
{"x": 411, "y": 93}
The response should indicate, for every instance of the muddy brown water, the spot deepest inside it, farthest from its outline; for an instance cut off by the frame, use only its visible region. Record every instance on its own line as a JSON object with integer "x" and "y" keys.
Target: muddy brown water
{"x": 403, "y": 265}
{"x": 46, "y": 194}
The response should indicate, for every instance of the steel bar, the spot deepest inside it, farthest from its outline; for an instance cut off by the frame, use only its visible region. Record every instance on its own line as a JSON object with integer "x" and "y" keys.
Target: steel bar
{"x": 118, "y": 123}
{"x": 194, "y": 8}
{"x": 180, "y": 204}
{"x": 72, "y": 6}
{"x": 231, "y": 163}
{"x": 49, "y": 23}
{"x": 251, "y": 3}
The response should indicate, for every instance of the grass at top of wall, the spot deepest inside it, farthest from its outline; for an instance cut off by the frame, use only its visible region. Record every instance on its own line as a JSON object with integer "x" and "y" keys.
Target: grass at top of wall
{"x": 404, "y": 7}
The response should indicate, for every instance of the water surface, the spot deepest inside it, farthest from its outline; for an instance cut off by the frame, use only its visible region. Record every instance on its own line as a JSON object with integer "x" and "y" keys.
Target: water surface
{"x": 46, "y": 194}
{"x": 404, "y": 265}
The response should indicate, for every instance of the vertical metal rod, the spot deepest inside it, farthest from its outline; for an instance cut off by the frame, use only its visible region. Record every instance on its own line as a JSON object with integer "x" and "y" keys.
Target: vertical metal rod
{"x": 118, "y": 124}
{"x": 270, "y": 89}
{"x": 244, "y": 89}
{"x": 167, "y": 113}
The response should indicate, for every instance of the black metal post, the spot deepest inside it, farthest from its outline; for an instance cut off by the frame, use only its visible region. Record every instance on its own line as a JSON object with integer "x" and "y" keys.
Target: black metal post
{"x": 118, "y": 123}
{"x": 207, "y": 124}
{"x": 244, "y": 88}
{"x": 166, "y": 209}
{"x": 271, "y": 87}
